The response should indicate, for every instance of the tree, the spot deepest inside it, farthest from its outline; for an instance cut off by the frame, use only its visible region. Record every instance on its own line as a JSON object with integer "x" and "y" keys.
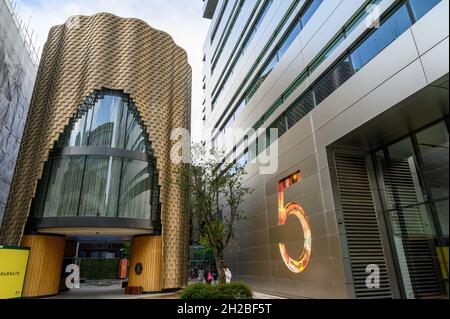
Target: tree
{"x": 217, "y": 192}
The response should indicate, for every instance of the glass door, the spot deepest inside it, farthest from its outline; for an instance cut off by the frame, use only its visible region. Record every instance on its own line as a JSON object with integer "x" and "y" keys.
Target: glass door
{"x": 413, "y": 178}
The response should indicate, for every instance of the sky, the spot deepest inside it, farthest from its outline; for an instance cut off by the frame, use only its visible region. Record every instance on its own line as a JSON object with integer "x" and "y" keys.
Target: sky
{"x": 182, "y": 19}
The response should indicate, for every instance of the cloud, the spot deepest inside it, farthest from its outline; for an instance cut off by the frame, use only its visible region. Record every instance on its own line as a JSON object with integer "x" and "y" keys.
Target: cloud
{"x": 182, "y": 19}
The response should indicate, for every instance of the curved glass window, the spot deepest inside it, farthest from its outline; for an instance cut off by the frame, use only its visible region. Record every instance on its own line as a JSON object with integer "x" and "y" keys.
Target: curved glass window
{"x": 102, "y": 166}
{"x": 109, "y": 123}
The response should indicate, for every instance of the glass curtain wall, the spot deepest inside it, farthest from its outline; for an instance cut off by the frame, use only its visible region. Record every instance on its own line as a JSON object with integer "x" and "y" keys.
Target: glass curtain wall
{"x": 414, "y": 176}
{"x": 112, "y": 174}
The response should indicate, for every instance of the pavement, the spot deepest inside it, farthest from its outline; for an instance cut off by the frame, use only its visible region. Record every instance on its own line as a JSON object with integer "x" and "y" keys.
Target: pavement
{"x": 112, "y": 289}
{"x": 108, "y": 289}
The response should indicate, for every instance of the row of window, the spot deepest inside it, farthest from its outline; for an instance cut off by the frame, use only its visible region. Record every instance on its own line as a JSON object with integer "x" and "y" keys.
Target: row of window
{"x": 219, "y": 20}
{"x": 226, "y": 35}
{"x": 245, "y": 44}
{"x": 275, "y": 57}
{"x": 315, "y": 64}
{"x": 284, "y": 45}
{"x": 406, "y": 13}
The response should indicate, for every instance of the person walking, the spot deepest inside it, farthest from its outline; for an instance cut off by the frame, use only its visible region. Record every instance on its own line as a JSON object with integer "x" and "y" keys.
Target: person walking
{"x": 209, "y": 277}
{"x": 228, "y": 274}
{"x": 201, "y": 275}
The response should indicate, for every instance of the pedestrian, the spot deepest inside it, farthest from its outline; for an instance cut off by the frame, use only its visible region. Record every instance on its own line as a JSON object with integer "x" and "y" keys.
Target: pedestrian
{"x": 209, "y": 277}
{"x": 228, "y": 274}
{"x": 201, "y": 275}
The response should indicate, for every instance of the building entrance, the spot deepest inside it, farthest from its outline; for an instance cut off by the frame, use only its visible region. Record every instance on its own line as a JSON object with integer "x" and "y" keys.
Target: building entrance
{"x": 413, "y": 177}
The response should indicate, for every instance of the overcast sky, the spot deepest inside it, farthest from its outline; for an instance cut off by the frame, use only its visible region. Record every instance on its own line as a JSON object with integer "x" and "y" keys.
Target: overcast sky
{"x": 182, "y": 19}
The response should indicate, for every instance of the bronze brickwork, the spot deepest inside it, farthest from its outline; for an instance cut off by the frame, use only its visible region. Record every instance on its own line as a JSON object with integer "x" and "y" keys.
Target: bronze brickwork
{"x": 105, "y": 51}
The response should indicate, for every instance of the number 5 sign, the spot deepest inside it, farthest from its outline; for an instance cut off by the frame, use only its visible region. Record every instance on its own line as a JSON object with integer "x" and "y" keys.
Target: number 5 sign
{"x": 300, "y": 264}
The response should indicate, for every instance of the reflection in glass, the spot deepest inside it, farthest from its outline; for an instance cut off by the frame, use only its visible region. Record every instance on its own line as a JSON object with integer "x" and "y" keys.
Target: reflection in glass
{"x": 402, "y": 180}
{"x": 135, "y": 190}
{"x": 414, "y": 175}
{"x": 307, "y": 15}
{"x": 300, "y": 109}
{"x": 109, "y": 123}
{"x": 100, "y": 187}
{"x": 79, "y": 134}
{"x": 390, "y": 30}
{"x": 108, "y": 183}
{"x": 134, "y": 135}
{"x": 332, "y": 80}
{"x": 421, "y": 7}
{"x": 415, "y": 244}
{"x": 434, "y": 146}
{"x": 442, "y": 210}
{"x": 64, "y": 187}
{"x": 37, "y": 208}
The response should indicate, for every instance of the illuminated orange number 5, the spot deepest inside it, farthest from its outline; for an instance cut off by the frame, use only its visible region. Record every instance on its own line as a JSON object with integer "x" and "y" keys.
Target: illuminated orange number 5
{"x": 300, "y": 264}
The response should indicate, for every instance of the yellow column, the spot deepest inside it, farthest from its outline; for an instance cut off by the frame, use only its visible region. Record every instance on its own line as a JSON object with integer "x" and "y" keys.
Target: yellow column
{"x": 146, "y": 263}
{"x": 44, "y": 265}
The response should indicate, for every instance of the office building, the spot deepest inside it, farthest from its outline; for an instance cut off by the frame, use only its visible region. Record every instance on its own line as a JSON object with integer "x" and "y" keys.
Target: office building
{"x": 358, "y": 91}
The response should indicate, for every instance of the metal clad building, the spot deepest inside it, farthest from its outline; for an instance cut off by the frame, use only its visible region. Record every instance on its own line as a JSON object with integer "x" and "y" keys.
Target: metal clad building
{"x": 358, "y": 91}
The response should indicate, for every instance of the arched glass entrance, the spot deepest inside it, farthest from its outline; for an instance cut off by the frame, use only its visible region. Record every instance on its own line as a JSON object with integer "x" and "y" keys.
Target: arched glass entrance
{"x": 101, "y": 168}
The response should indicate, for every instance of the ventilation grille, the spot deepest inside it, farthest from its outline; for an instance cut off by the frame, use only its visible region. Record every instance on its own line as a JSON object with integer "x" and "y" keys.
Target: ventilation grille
{"x": 361, "y": 225}
{"x": 415, "y": 245}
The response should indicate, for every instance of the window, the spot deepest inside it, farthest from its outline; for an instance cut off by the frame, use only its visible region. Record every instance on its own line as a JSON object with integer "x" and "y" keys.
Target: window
{"x": 100, "y": 187}
{"x": 279, "y": 124}
{"x": 392, "y": 27}
{"x": 309, "y": 12}
{"x": 244, "y": 160}
{"x": 289, "y": 40}
{"x": 229, "y": 28}
{"x": 219, "y": 20}
{"x": 253, "y": 150}
{"x": 292, "y": 34}
{"x": 108, "y": 174}
{"x": 134, "y": 139}
{"x": 255, "y": 28}
{"x": 300, "y": 109}
{"x": 413, "y": 179}
{"x": 390, "y": 30}
{"x": 239, "y": 109}
{"x": 108, "y": 123}
{"x": 421, "y": 7}
{"x": 64, "y": 187}
{"x": 327, "y": 53}
{"x": 332, "y": 80}
{"x": 433, "y": 144}
{"x": 276, "y": 56}
{"x": 360, "y": 18}
{"x": 134, "y": 199}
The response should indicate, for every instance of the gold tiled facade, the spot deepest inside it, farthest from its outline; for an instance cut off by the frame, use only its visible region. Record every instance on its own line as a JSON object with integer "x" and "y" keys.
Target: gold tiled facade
{"x": 105, "y": 51}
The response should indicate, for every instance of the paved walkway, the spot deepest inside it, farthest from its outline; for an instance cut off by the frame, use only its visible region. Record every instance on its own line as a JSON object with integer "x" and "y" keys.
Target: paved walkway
{"x": 112, "y": 289}
{"x": 258, "y": 295}
{"x": 105, "y": 289}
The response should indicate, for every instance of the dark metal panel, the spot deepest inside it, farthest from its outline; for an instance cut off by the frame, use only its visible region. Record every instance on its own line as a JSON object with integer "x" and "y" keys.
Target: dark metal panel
{"x": 365, "y": 246}
{"x": 90, "y": 222}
